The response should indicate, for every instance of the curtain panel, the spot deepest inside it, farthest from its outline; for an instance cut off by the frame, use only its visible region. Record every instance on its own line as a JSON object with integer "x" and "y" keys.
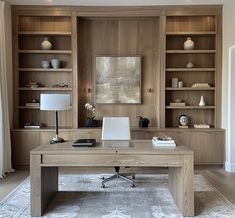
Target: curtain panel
{"x": 5, "y": 143}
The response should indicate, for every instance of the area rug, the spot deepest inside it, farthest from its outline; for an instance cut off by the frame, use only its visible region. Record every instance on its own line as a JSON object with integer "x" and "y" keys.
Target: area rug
{"x": 81, "y": 196}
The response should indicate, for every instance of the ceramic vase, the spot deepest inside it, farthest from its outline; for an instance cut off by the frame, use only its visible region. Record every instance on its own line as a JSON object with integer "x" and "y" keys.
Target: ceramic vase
{"x": 189, "y": 44}
{"x": 202, "y": 102}
{"x": 174, "y": 82}
{"x": 55, "y": 63}
{"x": 45, "y": 64}
{"x": 45, "y": 44}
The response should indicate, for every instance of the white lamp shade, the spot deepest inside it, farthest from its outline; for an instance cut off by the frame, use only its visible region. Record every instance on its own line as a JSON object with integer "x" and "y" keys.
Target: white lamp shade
{"x": 54, "y": 102}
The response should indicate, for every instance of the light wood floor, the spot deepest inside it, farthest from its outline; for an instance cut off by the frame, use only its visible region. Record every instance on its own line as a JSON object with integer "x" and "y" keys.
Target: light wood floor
{"x": 217, "y": 176}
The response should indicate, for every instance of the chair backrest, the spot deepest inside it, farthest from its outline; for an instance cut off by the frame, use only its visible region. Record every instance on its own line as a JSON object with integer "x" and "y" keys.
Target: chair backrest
{"x": 116, "y": 128}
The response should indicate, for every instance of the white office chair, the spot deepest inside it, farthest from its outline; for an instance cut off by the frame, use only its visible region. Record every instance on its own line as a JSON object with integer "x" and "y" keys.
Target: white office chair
{"x": 115, "y": 131}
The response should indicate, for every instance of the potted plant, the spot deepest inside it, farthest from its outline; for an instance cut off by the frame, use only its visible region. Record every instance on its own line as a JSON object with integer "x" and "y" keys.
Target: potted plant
{"x": 143, "y": 122}
{"x": 90, "y": 119}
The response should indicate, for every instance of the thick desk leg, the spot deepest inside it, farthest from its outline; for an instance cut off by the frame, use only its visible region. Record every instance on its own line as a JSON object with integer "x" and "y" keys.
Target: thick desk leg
{"x": 182, "y": 187}
{"x": 43, "y": 183}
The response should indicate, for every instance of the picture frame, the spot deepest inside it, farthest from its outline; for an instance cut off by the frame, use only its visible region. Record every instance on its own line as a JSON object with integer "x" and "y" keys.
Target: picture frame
{"x": 118, "y": 79}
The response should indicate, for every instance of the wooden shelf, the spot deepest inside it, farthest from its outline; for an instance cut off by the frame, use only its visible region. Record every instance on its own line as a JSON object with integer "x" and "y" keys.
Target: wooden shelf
{"x": 190, "y": 89}
{"x": 42, "y": 33}
{"x": 29, "y": 108}
{"x": 191, "y": 107}
{"x": 203, "y": 33}
{"x": 44, "y": 89}
{"x": 45, "y": 69}
{"x": 190, "y": 69}
{"x": 45, "y": 51}
{"x": 190, "y": 51}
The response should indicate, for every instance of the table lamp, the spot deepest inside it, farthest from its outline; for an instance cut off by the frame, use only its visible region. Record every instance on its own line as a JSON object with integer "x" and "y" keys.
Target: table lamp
{"x": 55, "y": 102}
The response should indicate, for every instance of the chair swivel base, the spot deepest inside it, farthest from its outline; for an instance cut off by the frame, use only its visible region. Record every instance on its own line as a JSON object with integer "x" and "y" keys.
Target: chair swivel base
{"x": 116, "y": 176}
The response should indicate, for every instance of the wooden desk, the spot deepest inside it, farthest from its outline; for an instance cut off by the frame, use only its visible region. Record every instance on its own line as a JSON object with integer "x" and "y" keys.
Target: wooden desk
{"x": 45, "y": 160}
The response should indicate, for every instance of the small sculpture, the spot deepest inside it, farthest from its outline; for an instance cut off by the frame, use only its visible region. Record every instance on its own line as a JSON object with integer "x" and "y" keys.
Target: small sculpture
{"x": 189, "y": 44}
{"x": 189, "y": 65}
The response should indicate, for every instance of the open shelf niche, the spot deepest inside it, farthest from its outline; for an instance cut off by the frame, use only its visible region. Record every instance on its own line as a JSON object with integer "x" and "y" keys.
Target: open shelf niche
{"x": 30, "y": 31}
{"x": 203, "y": 31}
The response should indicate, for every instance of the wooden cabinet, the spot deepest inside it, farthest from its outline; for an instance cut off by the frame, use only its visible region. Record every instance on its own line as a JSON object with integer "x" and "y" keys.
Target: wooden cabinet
{"x": 204, "y": 31}
{"x": 208, "y": 145}
{"x": 29, "y": 32}
{"x": 23, "y": 142}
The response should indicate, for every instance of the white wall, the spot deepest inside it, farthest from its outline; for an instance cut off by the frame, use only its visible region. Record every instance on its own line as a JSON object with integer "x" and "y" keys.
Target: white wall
{"x": 228, "y": 41}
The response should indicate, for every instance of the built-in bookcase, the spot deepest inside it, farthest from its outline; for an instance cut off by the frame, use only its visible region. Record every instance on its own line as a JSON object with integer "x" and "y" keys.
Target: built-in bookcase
{"x": 30, "y": 31}
{"x": 203, "y": 31}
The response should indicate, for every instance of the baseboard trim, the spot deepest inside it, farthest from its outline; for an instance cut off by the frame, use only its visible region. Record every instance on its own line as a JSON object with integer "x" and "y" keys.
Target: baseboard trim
{"x": 230, "y": 167}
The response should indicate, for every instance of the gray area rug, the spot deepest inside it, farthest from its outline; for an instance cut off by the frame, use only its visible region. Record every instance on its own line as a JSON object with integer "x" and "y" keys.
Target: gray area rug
{"x": 81, "y": 196}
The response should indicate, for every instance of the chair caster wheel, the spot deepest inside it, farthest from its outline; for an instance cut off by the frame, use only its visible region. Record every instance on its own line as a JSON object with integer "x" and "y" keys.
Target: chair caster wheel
{"x": 102, "y": 186}
{"x": 132, "y": 185}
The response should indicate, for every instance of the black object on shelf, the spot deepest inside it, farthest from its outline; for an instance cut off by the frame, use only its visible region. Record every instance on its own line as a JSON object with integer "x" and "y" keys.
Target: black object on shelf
{"x": 91, "y": 123}
{"x": 143, "y": 122}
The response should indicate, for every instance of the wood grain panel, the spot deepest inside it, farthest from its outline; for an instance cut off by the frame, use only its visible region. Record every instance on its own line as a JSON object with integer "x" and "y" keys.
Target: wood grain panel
{"x": 22, "y": 143}
{"x": 190, "y": 23}
{"x": 127, "y": 37}
{"x": 112, "y": 160}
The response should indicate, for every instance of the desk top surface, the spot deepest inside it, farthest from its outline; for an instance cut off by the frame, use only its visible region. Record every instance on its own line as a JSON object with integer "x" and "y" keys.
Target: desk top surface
{"x": 111, "y": 147}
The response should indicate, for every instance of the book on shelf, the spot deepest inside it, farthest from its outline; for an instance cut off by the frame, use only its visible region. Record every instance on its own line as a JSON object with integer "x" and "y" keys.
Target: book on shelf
{"x": 204, "y": 126}
{"x": 164, "y": 141}
{"x": 178, "y": 104}
{"x": 33, "y": 125}
{"x": 84, "y": 143}
{"x": 201, "y": 85}
{"x": 32, "y": 104}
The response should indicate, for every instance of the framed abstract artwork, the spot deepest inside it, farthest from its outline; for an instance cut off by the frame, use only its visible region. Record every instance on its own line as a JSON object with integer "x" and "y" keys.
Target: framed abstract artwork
{"x": 118, "y": 79}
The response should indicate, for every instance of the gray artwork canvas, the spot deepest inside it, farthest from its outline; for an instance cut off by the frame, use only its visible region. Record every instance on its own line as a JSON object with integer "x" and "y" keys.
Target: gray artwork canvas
{"x": 118, "y": 80}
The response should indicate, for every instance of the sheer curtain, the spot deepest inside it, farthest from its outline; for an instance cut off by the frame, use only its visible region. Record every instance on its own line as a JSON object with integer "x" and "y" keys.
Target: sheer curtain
{"x": 5, "y": 143}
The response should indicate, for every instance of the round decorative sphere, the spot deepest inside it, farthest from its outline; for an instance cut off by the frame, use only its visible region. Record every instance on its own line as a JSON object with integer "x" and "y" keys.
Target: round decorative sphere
{"x": 189, "y": 44}
{"x": 183, "y": 120}
{"x": 45, "y": 44}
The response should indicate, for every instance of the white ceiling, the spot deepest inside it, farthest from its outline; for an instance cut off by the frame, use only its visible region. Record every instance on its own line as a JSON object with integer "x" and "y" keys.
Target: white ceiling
{"x": 113, "y": 2}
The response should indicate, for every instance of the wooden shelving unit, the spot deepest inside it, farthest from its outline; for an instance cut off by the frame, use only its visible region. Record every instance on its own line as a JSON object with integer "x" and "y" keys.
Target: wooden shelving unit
{"x": 157, "y": 34}
{"x": 30, "y": 31}
{"x": 204, "y": 31}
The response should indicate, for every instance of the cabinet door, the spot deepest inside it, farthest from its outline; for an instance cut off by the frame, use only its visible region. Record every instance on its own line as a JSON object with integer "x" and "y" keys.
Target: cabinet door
{"x": 208, "y": 147}
{"x": 22, "y": 143}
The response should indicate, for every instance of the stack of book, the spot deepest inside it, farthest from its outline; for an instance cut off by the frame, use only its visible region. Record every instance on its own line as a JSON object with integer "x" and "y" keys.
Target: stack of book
{"x": 164, "y": 141}
{"x": 33, "y": 125}
{"x": 32, "y": 104}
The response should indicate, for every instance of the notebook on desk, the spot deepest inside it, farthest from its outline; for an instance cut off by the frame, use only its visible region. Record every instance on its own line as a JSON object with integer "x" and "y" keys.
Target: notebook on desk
{"x": 84, "y": 143}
